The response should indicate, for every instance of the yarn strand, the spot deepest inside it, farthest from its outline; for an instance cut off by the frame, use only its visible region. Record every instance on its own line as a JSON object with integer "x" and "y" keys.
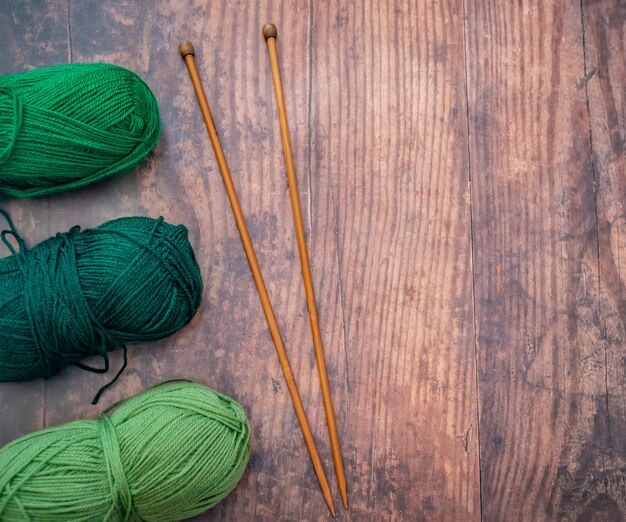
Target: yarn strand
{"x": 112, "y": 381}
{"x": 13, "y": 233}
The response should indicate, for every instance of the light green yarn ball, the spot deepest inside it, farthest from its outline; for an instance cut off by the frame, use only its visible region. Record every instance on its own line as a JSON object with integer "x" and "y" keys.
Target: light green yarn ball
{"x": 168, "y": 453}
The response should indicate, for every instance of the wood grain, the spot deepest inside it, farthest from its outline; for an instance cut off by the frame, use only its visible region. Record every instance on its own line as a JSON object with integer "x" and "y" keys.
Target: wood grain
{"x": 389, "y": 174}
{"x": 604, "y": 25}
{"x": 541, "y": 338}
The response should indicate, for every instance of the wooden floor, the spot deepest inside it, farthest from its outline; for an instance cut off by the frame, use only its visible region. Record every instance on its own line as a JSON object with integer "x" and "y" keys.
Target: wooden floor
{"x": 463, "y": 174}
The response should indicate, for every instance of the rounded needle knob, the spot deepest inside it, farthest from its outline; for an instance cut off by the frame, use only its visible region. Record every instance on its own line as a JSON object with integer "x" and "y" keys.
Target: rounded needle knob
{"x": 186, "y": 48}
{"x": 269, "y": 31}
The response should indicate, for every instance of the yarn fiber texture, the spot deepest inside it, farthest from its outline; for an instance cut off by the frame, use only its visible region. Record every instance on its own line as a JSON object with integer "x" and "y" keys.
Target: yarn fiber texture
{"x": 87, "y": 292}
{"x": 67, "y": 126}
{"x": 169, "y": 453}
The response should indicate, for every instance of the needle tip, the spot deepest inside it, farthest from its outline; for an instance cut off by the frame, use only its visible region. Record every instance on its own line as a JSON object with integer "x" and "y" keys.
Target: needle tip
{"x": 185, "y": 48}
{"x": 269, "y": 31}
{"x": 329, "y": 502}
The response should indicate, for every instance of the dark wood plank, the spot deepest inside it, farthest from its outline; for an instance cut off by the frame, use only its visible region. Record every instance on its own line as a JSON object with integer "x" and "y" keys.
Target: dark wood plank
{"x": 389, "y": 148}
{"x": 227, "y": 346}
{"x": 32, "y": 34}
{"x": 605, "y": 72}
{"x": 541, "y": 341}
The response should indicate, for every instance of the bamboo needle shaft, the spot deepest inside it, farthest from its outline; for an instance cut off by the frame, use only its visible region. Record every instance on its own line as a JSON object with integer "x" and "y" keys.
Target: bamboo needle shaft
{"x": 270, "y": 33}
{"x": 187, "y": 52}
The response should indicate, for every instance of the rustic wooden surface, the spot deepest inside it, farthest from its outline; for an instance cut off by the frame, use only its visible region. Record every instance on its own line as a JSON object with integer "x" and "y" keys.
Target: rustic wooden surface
{"x": 463, "y": 176}
{"x": 549, "y": 333}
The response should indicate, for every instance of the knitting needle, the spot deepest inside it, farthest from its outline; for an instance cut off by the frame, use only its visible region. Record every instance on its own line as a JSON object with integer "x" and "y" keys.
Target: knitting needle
{"x": 187, "y": 52}
{"x": 270, "y": 32}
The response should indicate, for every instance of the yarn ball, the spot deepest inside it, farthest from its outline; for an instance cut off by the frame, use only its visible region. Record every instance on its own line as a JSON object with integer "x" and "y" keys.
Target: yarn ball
{"x": 87, "y": 292}
{"x": 67, "y": 126}
{"x": 169, "y": 453}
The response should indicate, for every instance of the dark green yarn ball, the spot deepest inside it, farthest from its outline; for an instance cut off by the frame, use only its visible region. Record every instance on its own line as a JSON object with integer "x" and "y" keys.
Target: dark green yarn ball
{"x": 87, "y": 292}
{"x": 68, "y": 126}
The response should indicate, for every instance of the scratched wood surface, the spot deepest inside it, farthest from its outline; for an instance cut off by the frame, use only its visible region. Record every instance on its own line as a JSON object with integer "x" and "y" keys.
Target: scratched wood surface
{"x": 462, "y": 172}
{"x": 551, "y": 372}
{"x": 605, "y": 73}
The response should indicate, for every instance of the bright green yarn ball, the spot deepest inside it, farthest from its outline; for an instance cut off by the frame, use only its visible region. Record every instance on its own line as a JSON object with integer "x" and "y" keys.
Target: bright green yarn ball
{"x": 68, "y": 126}
{"x": 169, "y": 453}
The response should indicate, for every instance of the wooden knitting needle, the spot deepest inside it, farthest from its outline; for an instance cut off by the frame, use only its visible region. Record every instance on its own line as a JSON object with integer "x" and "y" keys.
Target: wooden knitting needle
{"x": 187, "y": 52}
{"x": 270, "y": 32}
